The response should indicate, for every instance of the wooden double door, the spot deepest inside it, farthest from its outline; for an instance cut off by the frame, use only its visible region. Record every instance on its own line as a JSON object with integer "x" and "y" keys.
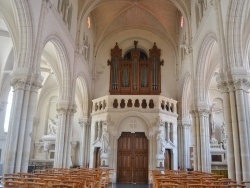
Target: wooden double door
{"x": 132, "y": 158}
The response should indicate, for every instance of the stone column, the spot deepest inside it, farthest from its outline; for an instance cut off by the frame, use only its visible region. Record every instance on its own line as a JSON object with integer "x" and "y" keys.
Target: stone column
{"x": 196, "y": 148}
{"x": 83, "y": 124}
{"x": 184, "y": 144}
{"x": 228, "y": 130}
{"x": 204, "y": 140}
{"x": 241, "y": 87}
{"x": 66, "y": 111}
{"x": 19, "y": 136}
{"x": 235, "y": 136}
{"x": 202, "y": 156}
{"x": 236, "y": 104}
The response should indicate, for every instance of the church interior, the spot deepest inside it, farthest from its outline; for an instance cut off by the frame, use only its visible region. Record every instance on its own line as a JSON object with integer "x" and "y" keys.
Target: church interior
{"x": 128, "y": 85}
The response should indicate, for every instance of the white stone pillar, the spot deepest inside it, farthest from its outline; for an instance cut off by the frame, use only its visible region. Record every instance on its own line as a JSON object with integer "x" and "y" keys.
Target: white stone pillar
{"x": 235, "y": 135}
{"x": 21, "y": 121}
{"x": 202, "y": 156}
{"x": 196, "y": 148}
{"x": 205, "y": 140}
{"x": 241, "y": 87}
{"x": 228, "y": 129}
{"x": 29, "y": 126}
{"x": 184, "y": 153}
{"x": 83, "y": 123}
{"x": 180, "y": 144}
{"x": 64, "y": 134}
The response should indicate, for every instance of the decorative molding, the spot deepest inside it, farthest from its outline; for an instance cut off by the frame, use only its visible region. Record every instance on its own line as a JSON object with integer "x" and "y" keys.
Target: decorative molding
{"x": 64, "y": 108}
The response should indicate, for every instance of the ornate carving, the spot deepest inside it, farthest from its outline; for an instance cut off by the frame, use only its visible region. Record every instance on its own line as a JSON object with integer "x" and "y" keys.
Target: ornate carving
{"x": 108, "y": 121}
{"x": 204, "y": 112}
{"x": 159, "y": 121}
{"x": 65, "y": 108}
{"x": 52, "y": 126}
{"x": 242, "y": 84}
{"x": 84, "y": 49}
{"x": 47, "y": 144}
{"x": 83, "y": 122}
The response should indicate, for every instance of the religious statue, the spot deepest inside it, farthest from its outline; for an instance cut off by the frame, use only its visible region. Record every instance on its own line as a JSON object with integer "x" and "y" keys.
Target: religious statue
{"x": 52, "y": 126}
{"x": 213, "y": 139}
{"x": 105, "y": 140}
{"x": 224, "y": 136}
{"x": 161, "y": 142}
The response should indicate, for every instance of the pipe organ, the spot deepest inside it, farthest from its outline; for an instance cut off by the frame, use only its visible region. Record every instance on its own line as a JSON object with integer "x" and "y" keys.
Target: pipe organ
{"x": 136, "y": 73}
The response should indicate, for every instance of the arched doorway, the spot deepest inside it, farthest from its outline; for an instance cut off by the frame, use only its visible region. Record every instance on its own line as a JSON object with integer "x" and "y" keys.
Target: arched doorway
{"x": 132, "y": 158}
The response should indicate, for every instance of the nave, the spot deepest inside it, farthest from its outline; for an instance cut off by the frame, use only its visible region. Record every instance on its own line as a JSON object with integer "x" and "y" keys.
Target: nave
{"x": 103, "y": 178}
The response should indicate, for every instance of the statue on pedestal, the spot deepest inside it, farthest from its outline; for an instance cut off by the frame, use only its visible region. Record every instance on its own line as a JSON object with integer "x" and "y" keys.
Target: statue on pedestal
{"x": 105, "y": 141}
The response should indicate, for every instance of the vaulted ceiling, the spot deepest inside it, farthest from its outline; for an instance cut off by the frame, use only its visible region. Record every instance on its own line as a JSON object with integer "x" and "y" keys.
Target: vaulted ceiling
{"x": 158, "y": 16}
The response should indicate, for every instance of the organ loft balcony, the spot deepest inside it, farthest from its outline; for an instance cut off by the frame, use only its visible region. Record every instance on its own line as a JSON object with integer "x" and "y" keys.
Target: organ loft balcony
{"x": 140, "y": 103}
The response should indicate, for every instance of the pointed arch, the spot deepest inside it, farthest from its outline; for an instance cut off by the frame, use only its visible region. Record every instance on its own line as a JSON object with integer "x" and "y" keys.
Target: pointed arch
{"x": 82, "y": 91}
{"x": 24, "y": 20}
{"x": 64, "y": 74}
{"x": 203, "y": 64}
{"x": 235, "y": 33}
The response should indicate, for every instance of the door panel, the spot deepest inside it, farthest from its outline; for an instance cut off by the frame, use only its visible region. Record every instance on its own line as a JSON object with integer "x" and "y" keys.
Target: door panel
{"x": 168, "y": 159}
{"x": 97, "y": 163}
{"x": 132, "y": 159}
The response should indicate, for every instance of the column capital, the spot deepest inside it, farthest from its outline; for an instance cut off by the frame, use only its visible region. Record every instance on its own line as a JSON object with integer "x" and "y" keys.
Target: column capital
{"x": 83, "y": 122}
{"x": 65, "y": 107}
{"x": 184, "y": 121}
{"x": 242, "y": 84}
{"x": 204, "y": 112}
{"x": 223, "y": 87}
{"x": 22, "y": 79}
